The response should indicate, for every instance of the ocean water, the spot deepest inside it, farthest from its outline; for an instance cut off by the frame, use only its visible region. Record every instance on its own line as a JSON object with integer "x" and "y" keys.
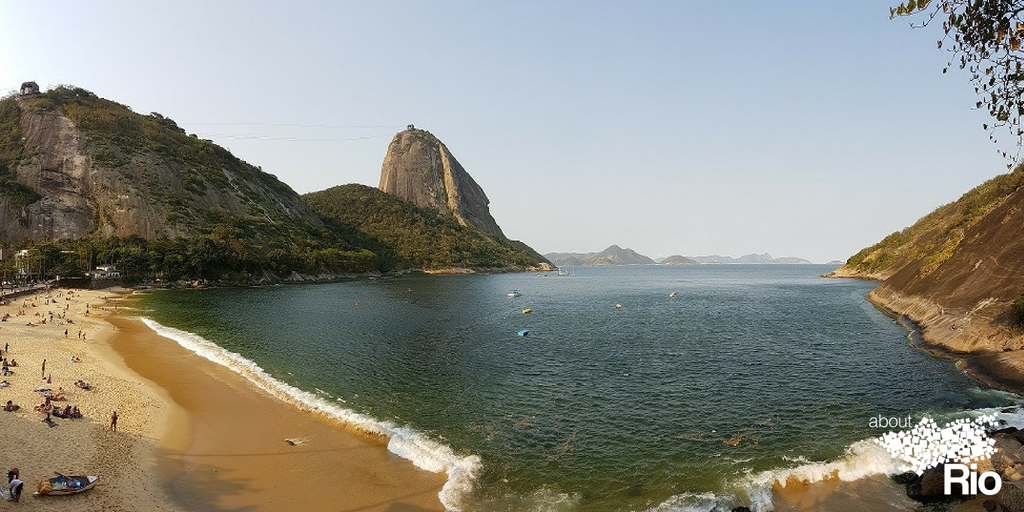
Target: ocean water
{"x": 695, "y": 402}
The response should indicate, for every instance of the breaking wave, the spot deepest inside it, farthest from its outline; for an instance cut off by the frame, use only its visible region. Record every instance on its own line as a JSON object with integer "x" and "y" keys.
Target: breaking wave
{"x": 425, "y": 453}
{"x": 862, "y": 459}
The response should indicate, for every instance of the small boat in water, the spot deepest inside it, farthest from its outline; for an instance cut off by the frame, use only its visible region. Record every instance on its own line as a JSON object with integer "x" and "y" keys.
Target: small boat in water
{"x": 527, "y": 310}
{"x": 514, "y": 294}
{"x": 61, "y": 485}
{"x": 523, "y": 333}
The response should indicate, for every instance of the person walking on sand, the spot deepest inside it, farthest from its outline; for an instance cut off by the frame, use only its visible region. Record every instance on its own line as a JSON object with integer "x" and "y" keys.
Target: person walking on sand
{"x": 113, "y": 421}
{"x": 44, "y": 369}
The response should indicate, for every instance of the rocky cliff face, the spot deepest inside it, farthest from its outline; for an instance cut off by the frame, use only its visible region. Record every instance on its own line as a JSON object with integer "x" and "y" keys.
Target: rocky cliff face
{"x": 100, "y": 169}
{"x": 419, "y": 168}
{"x": 956, "y": 272}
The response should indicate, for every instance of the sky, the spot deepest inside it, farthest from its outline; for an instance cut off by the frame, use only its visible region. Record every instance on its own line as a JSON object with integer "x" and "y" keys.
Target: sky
{"x": 800, "y": 128}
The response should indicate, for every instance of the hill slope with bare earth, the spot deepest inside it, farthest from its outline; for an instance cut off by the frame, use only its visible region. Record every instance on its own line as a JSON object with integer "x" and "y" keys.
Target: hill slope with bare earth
{"x": 956, "y": 273}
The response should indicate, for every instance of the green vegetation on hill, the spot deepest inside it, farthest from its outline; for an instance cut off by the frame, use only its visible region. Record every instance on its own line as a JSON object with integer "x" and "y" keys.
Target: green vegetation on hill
{"x": 1017, "y": 312}
{"x": 404, "y": 235}
{"x": 124, "y": 138}
{"x": 212, "y": 216}
{"x": 937, "y": 235}
{"x": 223, "y": 255}
{"x": 271, "y": 235}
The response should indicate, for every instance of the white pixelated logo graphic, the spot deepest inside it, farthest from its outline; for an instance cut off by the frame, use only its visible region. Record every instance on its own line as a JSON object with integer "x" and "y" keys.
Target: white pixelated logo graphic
{"x": 927, "y": 445}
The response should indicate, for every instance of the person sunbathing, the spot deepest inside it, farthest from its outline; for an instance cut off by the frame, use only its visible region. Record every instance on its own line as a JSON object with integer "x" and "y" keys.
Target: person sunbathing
{"x": 75, "y": 413}
{"x": 11, "y": 407}
{"x": 13, "y": 363}
{"x": 83, "y": 384}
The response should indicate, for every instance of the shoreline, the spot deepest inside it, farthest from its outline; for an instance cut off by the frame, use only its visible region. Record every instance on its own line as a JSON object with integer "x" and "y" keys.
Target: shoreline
{"x": 229, "y": 449}
{"x": 205, "y": 437}
{"x": 192, "y": 435}
{"x": 1000, "y": 369}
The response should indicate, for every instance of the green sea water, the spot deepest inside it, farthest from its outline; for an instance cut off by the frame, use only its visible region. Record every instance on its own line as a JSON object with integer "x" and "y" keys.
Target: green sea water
{"x": 688, "y": 403}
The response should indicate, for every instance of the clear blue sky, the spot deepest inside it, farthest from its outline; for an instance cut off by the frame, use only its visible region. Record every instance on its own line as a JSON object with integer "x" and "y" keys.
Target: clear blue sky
{"x": 799, "y": 128}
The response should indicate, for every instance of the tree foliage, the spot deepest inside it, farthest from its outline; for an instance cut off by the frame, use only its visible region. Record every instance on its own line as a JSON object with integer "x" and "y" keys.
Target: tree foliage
{"x": 1017, "y": 312}
{"x": 984, "y": 39}
{"x": 220, "y": 256}
{"x": 405, "y": 236}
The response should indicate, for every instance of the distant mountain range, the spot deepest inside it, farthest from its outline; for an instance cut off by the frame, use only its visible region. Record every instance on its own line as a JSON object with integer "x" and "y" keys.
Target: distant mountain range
{"x": 751, "y": 259}
{"x": 613, "y": 255}
{"x": 616, "y": 255}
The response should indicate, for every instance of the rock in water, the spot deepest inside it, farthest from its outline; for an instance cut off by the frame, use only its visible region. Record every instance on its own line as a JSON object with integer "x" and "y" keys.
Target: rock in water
{"x": 420, "y": 169}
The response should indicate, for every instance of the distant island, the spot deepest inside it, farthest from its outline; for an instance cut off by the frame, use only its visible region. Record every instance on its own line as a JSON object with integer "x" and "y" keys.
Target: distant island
{"x": 751, "y": 259}
{"x": 616, "y": 255}
{"x": 613, "y": 255}
{"x": 676, "y": 259}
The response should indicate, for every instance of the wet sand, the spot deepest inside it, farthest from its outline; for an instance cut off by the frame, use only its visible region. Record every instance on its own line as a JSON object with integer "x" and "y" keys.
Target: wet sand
{"x": 872, "y": 494}
{"x": 226, "y": 449}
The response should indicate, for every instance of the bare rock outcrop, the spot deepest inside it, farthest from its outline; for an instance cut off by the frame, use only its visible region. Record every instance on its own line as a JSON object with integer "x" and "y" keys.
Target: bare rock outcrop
{"x": 119, "y": 173}
{"x": 419, "y": 168}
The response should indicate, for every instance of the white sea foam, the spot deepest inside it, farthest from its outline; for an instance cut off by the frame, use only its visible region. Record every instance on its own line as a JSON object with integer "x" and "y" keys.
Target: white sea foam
{"x": 862, "y": 459}
{"x": 425, "y": 453}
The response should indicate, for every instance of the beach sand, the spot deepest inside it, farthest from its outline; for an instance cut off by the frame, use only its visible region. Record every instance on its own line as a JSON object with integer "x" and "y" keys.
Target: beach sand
{"x": 125, "y": 461}
{"x": 192, "y": 435}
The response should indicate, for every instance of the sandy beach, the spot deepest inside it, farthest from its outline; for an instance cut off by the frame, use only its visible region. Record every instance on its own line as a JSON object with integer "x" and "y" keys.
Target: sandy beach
{"x": 125, "y": 460}
{"x": 191, "y": 435}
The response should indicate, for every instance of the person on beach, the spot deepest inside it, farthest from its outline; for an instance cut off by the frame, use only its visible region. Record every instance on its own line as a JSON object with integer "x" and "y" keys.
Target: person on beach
{"x": 12, "y": 474}
{"x": 15, "y": 486}
{"x": 113, "y": 421}
{"x": 44, "y": 369}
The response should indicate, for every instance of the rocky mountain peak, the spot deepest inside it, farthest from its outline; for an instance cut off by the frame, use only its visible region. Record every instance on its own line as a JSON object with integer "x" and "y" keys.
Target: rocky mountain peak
{"x": 419, "y": 168}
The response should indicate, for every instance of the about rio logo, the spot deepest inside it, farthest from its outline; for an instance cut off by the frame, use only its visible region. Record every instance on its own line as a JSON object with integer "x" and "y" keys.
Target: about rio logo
{"x": 956, "y": 445}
